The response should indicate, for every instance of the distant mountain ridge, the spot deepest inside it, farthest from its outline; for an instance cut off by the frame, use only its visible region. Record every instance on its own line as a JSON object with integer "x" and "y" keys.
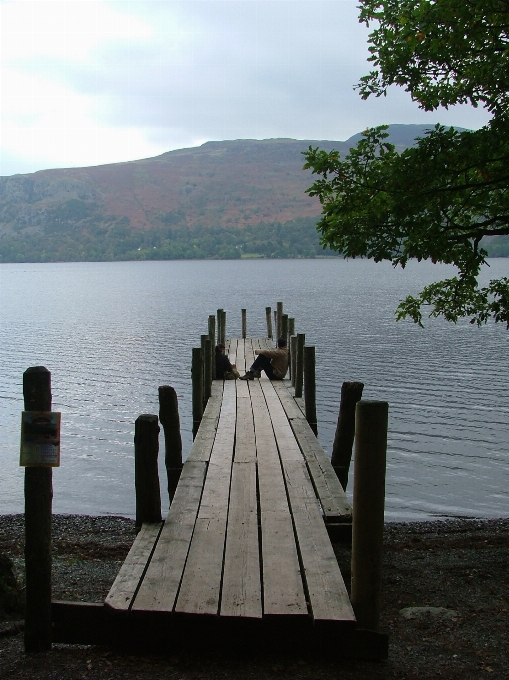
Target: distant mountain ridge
{"x": 229, "y": 183}
{"x": 221, "y": 199}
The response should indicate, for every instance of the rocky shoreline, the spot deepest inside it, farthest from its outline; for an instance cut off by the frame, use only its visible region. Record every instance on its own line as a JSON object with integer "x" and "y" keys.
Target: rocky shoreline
{"x": 445, "y": 607}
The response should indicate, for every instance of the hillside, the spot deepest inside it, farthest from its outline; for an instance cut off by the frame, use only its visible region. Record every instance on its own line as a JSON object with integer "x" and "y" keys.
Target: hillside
{"x": 222, "y": 199}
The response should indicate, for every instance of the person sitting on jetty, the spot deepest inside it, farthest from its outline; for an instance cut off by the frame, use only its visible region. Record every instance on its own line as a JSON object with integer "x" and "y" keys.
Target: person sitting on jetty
{"x": 224, "y": 369}
{"x": 273, "y": 361}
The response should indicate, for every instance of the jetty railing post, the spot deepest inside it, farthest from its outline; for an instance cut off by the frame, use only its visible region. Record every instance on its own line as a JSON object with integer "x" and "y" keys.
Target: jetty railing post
{"x": 291, "y": 332}
{"x": 299, "y": 364}
{"x": 212, "y": 336}
{"x": 371, "y": 418}
{"x": 223, "y": 326}
{"x": 219, "y": 326}
{"x": 203, "y": 340}
{"x": 310, "y": 387}
{"x": 38, "y": 499}
{"x": 170, "y": 420}
{"x": 275, "y": 324}
{"x": 207, "y": 370}
{"x": 291, "y": 327}
{"x": 244, "y": 324}
{"x": 212, "y": 328}
{"x": 268, "y": 315}
{"x": 279, "y": 319}
{"x": 293, "y": 357}
{"x": 197, "y": 381}
{"x": 351, "y": 393}
{"x": 146, "y": 475}
{"x": 284, "y": 327}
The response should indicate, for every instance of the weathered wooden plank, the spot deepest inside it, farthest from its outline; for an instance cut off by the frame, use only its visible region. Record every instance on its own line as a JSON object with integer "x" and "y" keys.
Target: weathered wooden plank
{"x": 232, "y": 350}
{"x": 245, "y": 447}
{"x": 241, "y": 590}
{"x": 249, "y": 355}
{"x": 333, "y": 500}
{"x": 327, "y": 593}
{"x": 326, "y": 590}
{"x": 125, "y": 585}
{"x": 283, "y": 592}
{"x": 201, "y": 582}
{"x": 286, "y": 442}
{"x": 335, "y": 505}
{"x": 163, "y": 576}
{"x": 204, "y": 440}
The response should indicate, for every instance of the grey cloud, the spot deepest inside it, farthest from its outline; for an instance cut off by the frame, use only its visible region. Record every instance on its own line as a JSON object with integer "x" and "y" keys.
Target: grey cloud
{"x": 253, "y": 67}
{"x": 243, "y": 69}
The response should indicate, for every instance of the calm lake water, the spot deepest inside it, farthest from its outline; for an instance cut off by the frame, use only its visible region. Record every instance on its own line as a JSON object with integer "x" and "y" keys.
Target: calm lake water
{"x": 111, "y": 333}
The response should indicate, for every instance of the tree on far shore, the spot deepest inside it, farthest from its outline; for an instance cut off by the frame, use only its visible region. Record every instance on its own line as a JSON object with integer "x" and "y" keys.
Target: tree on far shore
{"x": 437, "y": 200}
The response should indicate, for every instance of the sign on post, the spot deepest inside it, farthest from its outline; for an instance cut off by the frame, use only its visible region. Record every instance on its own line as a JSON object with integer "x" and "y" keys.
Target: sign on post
{"x": 40, "y": 439}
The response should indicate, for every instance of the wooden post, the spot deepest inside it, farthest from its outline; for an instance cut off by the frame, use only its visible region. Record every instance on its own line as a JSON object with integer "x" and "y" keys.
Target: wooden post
{"x": 293, "y": 358}
{"x": 268, "y": 315}
{"x": 291, "y": 326}
{"x": 223, "y": 327}
{"x": 371, "y": 418}
{"x": 207, "y": 370}
{"x": 275, "y": 324}
{"x": 310, "y": 387}
{"x": 291, "y": 332}
{"x": 351, "y": 393}
{"x": 284, "y": 327}
{"x": 170, "y": 420}
{"x": 212, "y": 328}
{"x": 244, "y": 324}
{"x": 212, "y": 336}
{"x": 203, "y": 340}
{"x": 146, "y": 475}
{"x": 219, "y": 324}
{"x": 299, "y": 364}
{"x": 38, "y": 499}
{"x": 197, "y": 380}
{"x": 279, "y": 319}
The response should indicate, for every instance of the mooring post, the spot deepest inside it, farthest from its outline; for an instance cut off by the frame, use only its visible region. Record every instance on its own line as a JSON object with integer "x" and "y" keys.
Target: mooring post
{"x": 371, "y": 418}
{"x": 170, "y": 420}
{"x": 244, "y": 324}
{"x": 207, "y": 370}
{"x": 291, "y": 332}
{"x": 203, "y": 340}
{"x": 293, "y": 358}
{"x": 212, "y": 336}
{"x": 291, "y": 326}
{"x": 284, "y": 327}
{"x": 351, "y": 393}
{"x": 219, "y": 325}
{"x": 146, "y": 475}
{"x": 299, "y": 365}
{"x": 212, "y": 328}
{"x": 310, "y": 387}
{"x": 268, "y": 316}
{"x": 38, "y": 499}
{"x": 223, "y": 326}
{"x": 197, "y": 381}
{"x": 279, "y": 313}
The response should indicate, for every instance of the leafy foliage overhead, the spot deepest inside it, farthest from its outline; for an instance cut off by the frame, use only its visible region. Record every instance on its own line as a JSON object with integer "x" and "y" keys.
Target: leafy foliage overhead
{"x": 443, "y": 52}
{"x": 438, "y": 199}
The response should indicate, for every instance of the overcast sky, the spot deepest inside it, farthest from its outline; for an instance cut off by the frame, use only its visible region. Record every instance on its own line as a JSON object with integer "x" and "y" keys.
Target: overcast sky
{"x": 86, "y": 82}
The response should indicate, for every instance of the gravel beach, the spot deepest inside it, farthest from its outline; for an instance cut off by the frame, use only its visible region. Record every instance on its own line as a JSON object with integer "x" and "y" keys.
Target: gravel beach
{"x": 445, "y": 607}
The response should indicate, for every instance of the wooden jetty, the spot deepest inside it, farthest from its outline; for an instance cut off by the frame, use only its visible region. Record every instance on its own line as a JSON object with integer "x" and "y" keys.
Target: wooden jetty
{"x": 244, "y": 558}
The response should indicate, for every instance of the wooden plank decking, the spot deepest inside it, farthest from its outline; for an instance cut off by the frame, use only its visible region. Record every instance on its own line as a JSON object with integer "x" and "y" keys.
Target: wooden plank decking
{"x": 244, "y": 556}
{"x": 245, "y": 538}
